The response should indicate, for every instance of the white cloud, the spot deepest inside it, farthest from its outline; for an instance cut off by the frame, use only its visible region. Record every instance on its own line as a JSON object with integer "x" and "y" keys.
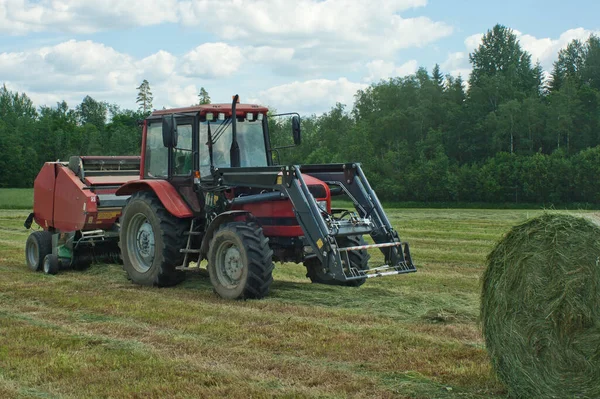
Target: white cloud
{"x": 179, "y": 95}
{"x": 71, "y": 66}
{"x": 73, "y": 69}
{"x": 472, "y": 42}
{"x": 212, "y": 60}
{"x": 362, "y": 29}
{"x": 367, "y": 27}
{"x": 262, "y": 22}
{"x": 380, "y": 69}
{"x": 157, "y": 66}
{"x": 19, "y": 17}
{"x": 311, "y": 96}
{"x": 268, "y": 55}
{"x": 304, "y": 39}
{"x": 545, "y": 50}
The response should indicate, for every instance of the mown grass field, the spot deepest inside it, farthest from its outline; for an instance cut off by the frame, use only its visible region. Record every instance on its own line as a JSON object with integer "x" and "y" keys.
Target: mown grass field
{"x": 94, "y": 334}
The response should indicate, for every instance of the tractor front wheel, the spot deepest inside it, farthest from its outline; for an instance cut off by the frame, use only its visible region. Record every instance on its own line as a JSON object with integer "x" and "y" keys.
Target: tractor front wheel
{"x": 240, "y": 261}
{"x": 150, "y": 240}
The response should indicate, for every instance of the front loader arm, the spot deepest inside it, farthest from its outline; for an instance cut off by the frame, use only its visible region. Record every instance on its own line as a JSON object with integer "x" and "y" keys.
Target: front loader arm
{"x": 320, "y": 230}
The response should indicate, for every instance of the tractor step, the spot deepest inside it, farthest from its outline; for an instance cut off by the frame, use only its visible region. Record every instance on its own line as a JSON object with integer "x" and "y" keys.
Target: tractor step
{"x": 189, "y": 251}
{"x": 192, "y": 233}
{"x": 189, "y": 269}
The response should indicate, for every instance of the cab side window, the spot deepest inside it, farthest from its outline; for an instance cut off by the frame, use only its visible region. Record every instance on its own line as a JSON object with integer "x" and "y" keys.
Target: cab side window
{"x": 156, "y": 153}
{"x": 182, "y": 154}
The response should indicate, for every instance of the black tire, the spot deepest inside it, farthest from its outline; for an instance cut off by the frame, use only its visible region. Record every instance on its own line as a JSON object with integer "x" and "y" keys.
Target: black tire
{"x": 51, "y": 264}
{"x": 151, "y": 252}
{"x": 39, "y": 244}
{"x": 250, "y": 273}
{"x": 358, "y": 259}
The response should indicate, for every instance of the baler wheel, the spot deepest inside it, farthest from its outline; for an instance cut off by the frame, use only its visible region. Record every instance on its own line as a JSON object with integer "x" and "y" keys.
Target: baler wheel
{"x": 358, "y": 259}
{"x": 150, "y": 241}
{"x": 51, "y": 265}
{"x": 39, "y": 244}
{"x": 240, "y": 261}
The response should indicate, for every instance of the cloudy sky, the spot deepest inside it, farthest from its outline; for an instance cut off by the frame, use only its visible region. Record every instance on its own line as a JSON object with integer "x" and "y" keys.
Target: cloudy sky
{"x": 294, "y": 55}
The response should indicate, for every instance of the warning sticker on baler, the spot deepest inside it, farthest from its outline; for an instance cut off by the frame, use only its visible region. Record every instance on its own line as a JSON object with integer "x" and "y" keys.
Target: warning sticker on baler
{"x": 104, "y": 215}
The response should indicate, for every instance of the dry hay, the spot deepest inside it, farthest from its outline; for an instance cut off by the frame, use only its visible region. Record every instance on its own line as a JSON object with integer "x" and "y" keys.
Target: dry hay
{"x": 540, "y": 308}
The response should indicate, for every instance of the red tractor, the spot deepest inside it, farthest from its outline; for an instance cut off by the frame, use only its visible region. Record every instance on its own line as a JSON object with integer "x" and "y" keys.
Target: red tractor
{"x": 206, "y": 187}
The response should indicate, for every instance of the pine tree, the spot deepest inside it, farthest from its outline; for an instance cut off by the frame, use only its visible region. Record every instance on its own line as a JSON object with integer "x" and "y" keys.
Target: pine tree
{"x": 144, "y": 98}
{"x": 437, "y": 76}
{"x": 203, "y": 97}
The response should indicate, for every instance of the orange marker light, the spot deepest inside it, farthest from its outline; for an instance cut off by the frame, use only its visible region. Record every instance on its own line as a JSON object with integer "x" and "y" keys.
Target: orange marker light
{"x": 197, "y": 174}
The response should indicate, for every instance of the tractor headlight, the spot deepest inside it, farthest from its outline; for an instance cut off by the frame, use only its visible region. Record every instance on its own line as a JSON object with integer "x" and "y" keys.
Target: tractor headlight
{"x": 322, "y": 205}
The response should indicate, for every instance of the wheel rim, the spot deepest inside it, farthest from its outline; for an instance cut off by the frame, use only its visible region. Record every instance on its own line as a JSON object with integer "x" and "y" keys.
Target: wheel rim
{"x": 33, "y": 252}
{"x": 47, "y": 265}
{"x": 141, "y": 242}
{"x": 229, "y": 264}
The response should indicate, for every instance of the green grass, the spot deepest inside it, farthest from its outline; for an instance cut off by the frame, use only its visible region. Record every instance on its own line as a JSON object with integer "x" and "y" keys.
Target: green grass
{"x": 16, "y": 198}
{"x": 94, "y": 334}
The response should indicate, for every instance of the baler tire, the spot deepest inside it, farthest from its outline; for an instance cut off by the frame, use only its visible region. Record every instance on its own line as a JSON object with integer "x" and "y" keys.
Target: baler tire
{"x": 247, "y": 241}
{"x": 358, "y": 259}
{"x": 168, "y": 235}
{"x": 39, "y": 244}
{"x": 51, "y": 264}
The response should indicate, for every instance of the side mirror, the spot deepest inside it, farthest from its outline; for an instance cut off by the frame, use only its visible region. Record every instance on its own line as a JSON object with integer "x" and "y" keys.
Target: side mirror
{"x": 169, "y": 131}
{"x": 296, "y": 131}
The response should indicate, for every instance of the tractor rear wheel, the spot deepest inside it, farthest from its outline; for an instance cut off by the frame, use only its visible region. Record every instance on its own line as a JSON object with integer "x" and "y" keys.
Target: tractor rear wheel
{"x": 358, "y": 259}
{"x": 150, "y": 240}
{"x": 39, "y": 244}
{"x": 240, "y": 261}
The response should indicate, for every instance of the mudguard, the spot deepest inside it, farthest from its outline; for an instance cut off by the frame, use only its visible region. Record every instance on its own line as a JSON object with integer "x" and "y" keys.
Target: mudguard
{"x": 165, "y": 192}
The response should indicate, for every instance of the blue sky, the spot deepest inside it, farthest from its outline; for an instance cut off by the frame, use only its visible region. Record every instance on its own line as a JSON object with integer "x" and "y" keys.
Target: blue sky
{"x": 303, "y": 55}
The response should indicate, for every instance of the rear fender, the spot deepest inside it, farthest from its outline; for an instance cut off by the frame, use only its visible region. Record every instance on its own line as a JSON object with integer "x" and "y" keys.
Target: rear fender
{"x": 165, "y": 192}
{"x": 224, "y": 217}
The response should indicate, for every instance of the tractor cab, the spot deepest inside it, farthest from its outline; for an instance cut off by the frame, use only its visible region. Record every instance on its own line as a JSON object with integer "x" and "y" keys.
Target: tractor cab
{"x": 195, "y": 141}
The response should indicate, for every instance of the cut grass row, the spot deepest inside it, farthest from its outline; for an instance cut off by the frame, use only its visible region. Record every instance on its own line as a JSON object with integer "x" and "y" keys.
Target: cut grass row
{"x": 94, "y": 334}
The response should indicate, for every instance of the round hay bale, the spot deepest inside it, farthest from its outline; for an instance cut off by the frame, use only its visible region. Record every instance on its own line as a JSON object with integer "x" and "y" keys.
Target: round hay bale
{"x": 540, "y": 308}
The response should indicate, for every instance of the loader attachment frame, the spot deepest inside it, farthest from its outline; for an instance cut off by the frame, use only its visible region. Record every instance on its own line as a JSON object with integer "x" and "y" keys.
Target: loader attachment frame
{"x": 322, "y": 229}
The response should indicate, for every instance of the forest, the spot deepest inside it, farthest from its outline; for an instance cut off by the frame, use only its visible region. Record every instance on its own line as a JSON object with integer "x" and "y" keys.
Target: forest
{"x": 508, "y": 133}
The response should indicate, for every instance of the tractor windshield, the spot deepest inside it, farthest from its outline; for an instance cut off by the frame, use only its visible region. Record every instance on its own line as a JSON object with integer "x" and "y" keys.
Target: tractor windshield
{"x": 250, "y": 139}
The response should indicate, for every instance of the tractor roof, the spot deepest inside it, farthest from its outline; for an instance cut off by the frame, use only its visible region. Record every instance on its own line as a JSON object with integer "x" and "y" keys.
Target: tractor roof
{"x": 216, "y": 108}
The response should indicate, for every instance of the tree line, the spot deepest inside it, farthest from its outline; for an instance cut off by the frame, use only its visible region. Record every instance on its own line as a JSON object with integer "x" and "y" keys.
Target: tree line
{"x": 507, "y": 134}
